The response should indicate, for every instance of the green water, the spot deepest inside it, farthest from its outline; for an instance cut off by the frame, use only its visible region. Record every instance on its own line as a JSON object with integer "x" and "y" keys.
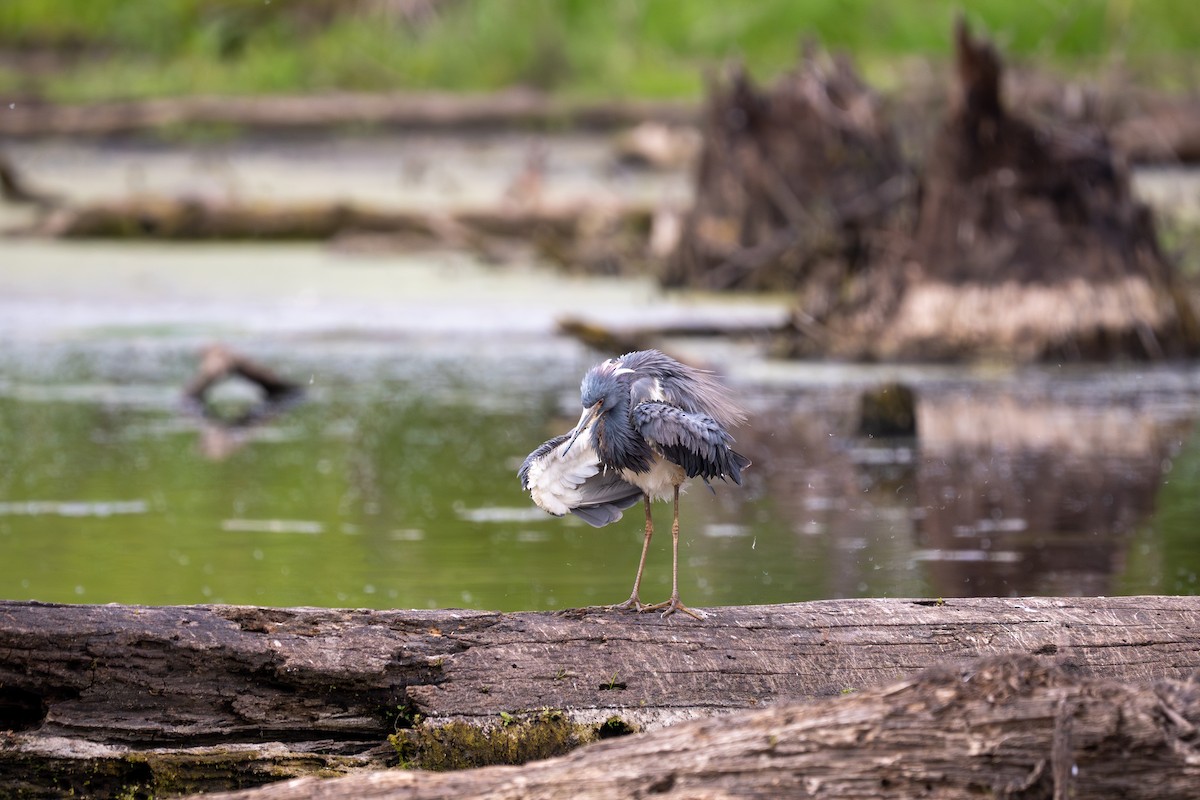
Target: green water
{"x": 393, "y": 485}
{"x": 381, "y": 490}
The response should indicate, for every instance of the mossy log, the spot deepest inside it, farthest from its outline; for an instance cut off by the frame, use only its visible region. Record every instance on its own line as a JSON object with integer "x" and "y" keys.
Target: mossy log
{"x": 998, "y": 727}
{"x": 99, "y": 700}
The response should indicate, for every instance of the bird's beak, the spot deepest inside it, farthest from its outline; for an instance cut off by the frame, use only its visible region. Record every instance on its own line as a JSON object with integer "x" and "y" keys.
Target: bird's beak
{"x": 585, "y": 419}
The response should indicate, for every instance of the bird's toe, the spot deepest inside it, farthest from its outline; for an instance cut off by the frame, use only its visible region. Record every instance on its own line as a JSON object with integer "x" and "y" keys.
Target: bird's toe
{"x": 634, "y": 603}
{"x": 671, "y": 606}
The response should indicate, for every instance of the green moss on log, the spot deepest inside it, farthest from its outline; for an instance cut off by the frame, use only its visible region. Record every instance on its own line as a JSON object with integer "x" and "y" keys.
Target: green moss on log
{"x": 512, "y": 739}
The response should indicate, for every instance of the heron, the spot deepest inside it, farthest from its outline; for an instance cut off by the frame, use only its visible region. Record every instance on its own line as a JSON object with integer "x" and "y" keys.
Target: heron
{"x": 649, "y": 424}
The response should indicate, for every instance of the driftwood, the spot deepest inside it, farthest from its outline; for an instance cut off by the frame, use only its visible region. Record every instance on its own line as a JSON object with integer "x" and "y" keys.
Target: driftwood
{"x": 409, "y": 111}
{"x": 595, "y": 238}
{"x": 999, "y": 727}
{"x": 598, "y": 238}
{"x": 194, "y": 218}
{"x": 100, "y": 700}
{"x": 616, "y": 340}
{"x": 219, "y": 363}
{"x": 223, "y": 431}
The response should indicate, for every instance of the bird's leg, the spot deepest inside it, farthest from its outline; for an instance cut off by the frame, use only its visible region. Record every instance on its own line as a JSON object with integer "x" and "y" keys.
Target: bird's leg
{"x": 634, "y": 601}
{"x": 673, "y": 605}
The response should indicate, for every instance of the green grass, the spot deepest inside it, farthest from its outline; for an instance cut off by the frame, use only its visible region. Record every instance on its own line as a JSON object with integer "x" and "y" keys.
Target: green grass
{"x": 591, "y": 48}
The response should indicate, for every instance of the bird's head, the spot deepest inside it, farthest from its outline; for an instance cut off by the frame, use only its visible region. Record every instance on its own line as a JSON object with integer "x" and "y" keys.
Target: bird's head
{"x": 604, "y": 387}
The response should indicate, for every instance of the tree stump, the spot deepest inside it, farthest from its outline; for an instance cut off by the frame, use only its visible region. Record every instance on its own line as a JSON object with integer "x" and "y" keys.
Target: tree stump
{"x": 793, "y": 183}
{"x": 1028, "y": 245}
{"x": 1021, "y": 241}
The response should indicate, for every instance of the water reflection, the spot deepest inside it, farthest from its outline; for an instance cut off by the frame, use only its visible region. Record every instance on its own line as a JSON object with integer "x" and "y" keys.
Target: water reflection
{"x": 393, "y": 485}
{"x": 1041, "y": 489}
{"x": 1035, "y": 495}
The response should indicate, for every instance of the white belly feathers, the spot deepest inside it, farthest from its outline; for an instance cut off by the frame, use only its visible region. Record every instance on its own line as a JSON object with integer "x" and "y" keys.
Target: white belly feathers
{"x": 660, "y": 481}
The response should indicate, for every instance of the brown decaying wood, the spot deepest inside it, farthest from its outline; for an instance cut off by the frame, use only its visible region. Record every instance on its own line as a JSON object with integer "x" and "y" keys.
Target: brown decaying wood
{"x": 235, "y": 696}
{"x": 1028, "y": 244}
{"x": 219, "y": 362}
{"x": 1169, "y": 135}
{"x": 601, "y": 236}
{"x": 1001, "y": 727}
{"x": 1021, "y": 240}
{"x": 409, "y": 111}
{"x": 791, "y": 179}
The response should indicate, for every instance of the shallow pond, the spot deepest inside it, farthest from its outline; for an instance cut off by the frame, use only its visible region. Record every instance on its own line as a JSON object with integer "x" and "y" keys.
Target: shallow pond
{"x": 429, "y": 378}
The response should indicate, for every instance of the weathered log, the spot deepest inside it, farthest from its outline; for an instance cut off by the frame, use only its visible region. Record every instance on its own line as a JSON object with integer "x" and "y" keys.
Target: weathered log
{"x": 998, "y": 727}
{"x": 218, "y": 362}
{"x": 616, "y": 340}
{"x": 415, "y": 110}
{"x": 402, "y": 110}
{"x": 596, "y": 236}
{"x": 195, "y": 218}
{"x": 99, "y": 699}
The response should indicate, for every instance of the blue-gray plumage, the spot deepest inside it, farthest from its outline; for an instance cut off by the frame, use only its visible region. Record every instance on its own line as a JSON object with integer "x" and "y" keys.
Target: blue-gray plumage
{"x": 649, "y": 423}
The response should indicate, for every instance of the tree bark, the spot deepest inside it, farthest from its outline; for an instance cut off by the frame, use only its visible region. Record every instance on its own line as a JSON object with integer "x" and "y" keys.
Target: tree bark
{"x": 98, "y": 699}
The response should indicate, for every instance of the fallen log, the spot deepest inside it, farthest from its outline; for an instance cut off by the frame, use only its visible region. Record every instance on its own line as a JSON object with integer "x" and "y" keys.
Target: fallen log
{"x": 998, "y": 727}
{"x": 197, "y": 218}
{"x": 616, "y": 340}
{"x": 100, "y": 700}
{"x": 521, "y": 109}
{"x": 595, "y": 237}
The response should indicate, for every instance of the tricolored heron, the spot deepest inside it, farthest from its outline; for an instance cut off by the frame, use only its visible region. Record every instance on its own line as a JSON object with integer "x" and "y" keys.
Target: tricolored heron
{"x": 649, "y": 423}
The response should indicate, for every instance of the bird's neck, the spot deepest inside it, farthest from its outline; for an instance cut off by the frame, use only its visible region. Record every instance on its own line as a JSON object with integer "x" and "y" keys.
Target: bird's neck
{"x": 617, "y": 443}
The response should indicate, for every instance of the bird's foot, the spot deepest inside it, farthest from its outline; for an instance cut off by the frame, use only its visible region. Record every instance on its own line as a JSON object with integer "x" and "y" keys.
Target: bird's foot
{"x": 671, "y": 606}
{"x": 634, "y": 603}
